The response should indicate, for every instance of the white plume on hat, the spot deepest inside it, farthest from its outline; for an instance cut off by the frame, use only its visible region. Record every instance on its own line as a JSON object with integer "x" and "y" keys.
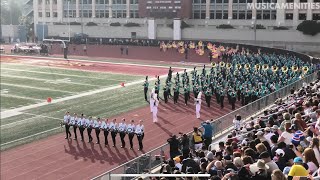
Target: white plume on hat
{"x": 199, "y": 95}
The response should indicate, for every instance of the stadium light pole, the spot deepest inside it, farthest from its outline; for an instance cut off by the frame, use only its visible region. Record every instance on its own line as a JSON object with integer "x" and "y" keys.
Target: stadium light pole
{"x": 69, "y": 18}
{"x": 81, "y": 16}
{"x": 255, "y": 30}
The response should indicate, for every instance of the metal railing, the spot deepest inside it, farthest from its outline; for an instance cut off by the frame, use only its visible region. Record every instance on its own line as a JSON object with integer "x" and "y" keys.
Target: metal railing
{"x": 154, "y": 158}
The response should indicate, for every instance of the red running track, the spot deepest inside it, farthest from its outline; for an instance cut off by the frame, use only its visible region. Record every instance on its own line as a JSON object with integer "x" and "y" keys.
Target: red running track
{"x": 56, "y": 158}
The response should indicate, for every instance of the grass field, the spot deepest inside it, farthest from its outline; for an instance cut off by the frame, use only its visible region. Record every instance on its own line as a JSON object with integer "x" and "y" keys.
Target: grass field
{"x": 23, "y": 85}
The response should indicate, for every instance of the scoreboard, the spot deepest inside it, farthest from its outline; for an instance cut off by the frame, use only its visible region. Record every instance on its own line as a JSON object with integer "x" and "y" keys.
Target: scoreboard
{"x": 165, "y": 8}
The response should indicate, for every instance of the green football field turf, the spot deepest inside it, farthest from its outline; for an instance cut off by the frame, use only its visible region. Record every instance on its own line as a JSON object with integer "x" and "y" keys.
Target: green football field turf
{"x": 23, "y": 85}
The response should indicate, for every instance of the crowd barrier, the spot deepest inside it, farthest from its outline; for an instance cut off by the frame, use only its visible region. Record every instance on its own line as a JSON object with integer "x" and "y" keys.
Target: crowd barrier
{"x": 154, "y": 158}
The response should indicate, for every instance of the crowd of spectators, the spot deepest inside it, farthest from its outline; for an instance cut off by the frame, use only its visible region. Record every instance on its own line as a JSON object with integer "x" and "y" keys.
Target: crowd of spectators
{"x": 282, "y": 143}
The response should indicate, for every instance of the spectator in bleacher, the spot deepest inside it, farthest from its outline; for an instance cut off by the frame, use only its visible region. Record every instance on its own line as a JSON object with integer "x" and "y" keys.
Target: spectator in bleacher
{"x": 286, "y": 136}
{"x": 311, "y": 160}
{"x": 297, "y": 169}
{"x": 197, "y": 138}
{"x": 278, "y": 175}
{"x": 301, "y": 124}
{"x": 315, "y": 146}
{"x": 267, "y": 159}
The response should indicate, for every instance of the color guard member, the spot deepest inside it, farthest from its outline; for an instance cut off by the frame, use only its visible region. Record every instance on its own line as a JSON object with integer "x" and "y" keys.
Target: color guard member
{"x": 81, "y": 122}
{"x": 152, "y": 99}
{"x": 66, "y": 122}
{"x": 97, "y": 126}
{"x": 113, "y": 129}
{"x": 140, "y": 134}
{"x": 122, "y": 131}
{"x": 89, "y": 123}
{"x": 105, "y": 128}
{"x": 130, "y": 131}
{"x": 74, "y": 120}
{"x": 155, "y": 109}
{"x": 198, "y": 105}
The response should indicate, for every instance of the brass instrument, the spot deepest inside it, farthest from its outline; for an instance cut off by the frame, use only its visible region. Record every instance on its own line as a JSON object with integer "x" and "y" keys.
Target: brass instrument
{"x": 275, "y": 68}
{"x": 169, "y": 46}
{"x": 222, "y": 64}
{"x": 257, "y": 67}
{"x": 229, "y": 66}
{"x": 265, "y": 67}
{"x": 214, "y": 65}
{"x": 200, "y": 43}
{"x": 247, "y": 66}
{"x": 305, "y": 69}
{"x": 239, "y": 66}
{"x": 201, "y": 52}
{"x": 284, "y": 69}
{"x": 174, "y": 45}
{"x": 181, "y": 50}
{"x": 294, "y": 68}
{"x": 181, "y": 43}
{"x": 192, "y": 45}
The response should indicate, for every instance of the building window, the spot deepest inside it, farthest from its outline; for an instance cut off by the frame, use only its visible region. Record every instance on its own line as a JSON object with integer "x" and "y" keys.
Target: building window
{"x": 290, "y": 1}
{"x": 316, "y": 16}
{"x": 134, "y": 2}
{"x": 266, "y": 15}
{"x": 289, "y": 16}
{"x": 134, "y": 14}
{"x": 249, "y": 15}
{"x": 242, "y": 15}
{"x": 316, "y": 0}
{"x": 273, "y": 15}
{"x": 118, "y": 1}
{"x": 218, "y": 15}
{"x": 235, "y": 15}
{"x": 302, "y": 16}
{"x": 259, "y": 14}
{"x": 55, "y": 14}
{"x": 47, "y": 14}
{"x": 303, "y": 1}
{"x": 40, "y": 14}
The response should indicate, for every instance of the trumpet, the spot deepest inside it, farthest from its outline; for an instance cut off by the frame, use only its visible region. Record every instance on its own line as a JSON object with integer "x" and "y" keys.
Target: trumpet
{"x": 169, "y": 46}
{"x": 201, "y": 52}
{"x": 239, "y": 66}
{"x": 257, "y": 67}
{"x": 284, "y": 69}
{"x": 174, "y": 45}
{"x": 275, "y": 68}
{"x": 222, "y": 64}
{"x": 229, "y": 66}
{"x": 305, "y": 69}
{"x": 181, "y": 43}
{"x": 214, "y": 65}
{"x": 265, "y": 67}
{"x": 200, "y": 43}
{"x": 247, "y": 66}
{"x": 294, "y": 68}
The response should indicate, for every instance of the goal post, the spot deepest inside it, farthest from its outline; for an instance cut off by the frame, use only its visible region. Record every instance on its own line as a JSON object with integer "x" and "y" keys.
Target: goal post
{"x": 65, "y": 50}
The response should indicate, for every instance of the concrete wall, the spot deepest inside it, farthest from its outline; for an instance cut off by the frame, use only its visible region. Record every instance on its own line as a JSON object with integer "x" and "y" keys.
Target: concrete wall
{"x": 98, "y": 31}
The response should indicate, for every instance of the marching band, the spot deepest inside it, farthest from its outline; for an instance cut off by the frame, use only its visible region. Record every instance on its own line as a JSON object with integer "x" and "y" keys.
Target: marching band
{"x": 82, "y": 123}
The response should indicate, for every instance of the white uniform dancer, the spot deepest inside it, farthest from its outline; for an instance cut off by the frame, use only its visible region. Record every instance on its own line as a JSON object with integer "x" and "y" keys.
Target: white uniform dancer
{"x": 152, "y": 99}
{"x": 155, "y": 108}
{"x": 198, "y": 105}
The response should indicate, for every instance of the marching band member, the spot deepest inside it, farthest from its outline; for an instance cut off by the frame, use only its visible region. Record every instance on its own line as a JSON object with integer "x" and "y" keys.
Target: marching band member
{"x": 89, "y": 123}
{"x": 155, "y": 108}
{"x": 97, "y": 125}
{"x": 105, "y": 128}
{"x": 152, "y": 99}
{"x": 140, "y": 134}
{"x": 130, "y": 130}
{"x": 73, "y": 121}
{"x": 113, "y": 129}
{"x": 66, "y": 122}
{"x": 122, "y": 130}
{"x": 80, "y": 123}
{"x": 145, "y": 88}
{"x": 198, "y": 105}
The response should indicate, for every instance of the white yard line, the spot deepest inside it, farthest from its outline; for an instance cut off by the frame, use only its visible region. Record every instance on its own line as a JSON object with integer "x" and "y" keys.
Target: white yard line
{"x": 16, "y": 111}
{"x": 62, "y": 74}
{"x": 20, "y": 97}
{"x": 17, "y": 140}
{"x": 31, "y": 87}
{"x": 97, "y": 61}
{"x": 57, "y": 81}
{"x": 35, "y": 116}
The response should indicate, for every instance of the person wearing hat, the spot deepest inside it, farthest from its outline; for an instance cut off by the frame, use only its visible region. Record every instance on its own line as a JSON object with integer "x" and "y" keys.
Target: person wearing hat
{"x": 297, "y": 169}
{"x": 198, "y": 105}
{"x": 145, "y": 88}
{"x": 155, "y": 108}
{"x": 259, "y": 170}
{"x": 280, "y": 159}
{"x": 151, "y": 101}
{"x": 267, "y": 159}
{"x": 177, "y": 162}
{"x": 207, "y": 134}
